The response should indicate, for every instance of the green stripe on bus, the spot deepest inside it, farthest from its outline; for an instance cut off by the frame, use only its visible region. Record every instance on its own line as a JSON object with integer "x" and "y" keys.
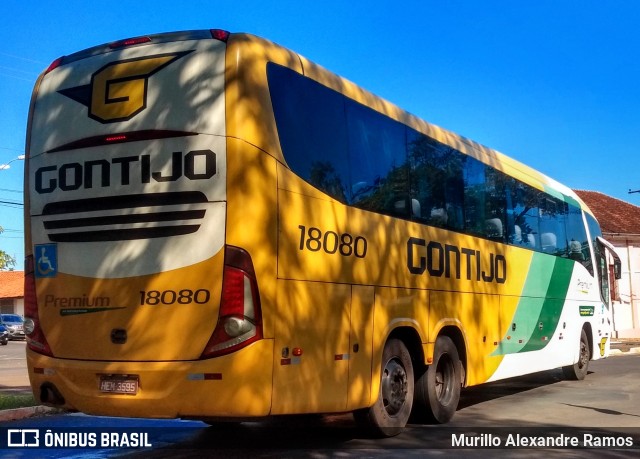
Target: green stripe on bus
{"x": 529, "y": 306}
{"x": 550, "y": 314}
{"x": 555, "y": 193}
{"x": 536, "y": 318}
{"x": 571, "y": 201}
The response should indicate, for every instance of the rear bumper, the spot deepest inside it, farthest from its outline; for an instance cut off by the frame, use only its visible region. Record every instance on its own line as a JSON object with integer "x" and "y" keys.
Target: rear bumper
{"x": 234, "y": 385}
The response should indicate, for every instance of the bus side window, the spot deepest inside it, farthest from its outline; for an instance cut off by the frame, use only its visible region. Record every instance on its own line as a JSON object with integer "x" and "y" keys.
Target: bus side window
{"x": 378, "y": 162}
{"x": 553, "y": 232}
{"x": 310, "y": 121}
{"x": 496, "y": 205}
{"x": 484, "y": 201}
{"x": 578, "y": 240}
{"x": 603, "y": 273}
{"x": 436, "y": 181}
{"x": 474, "y": 197}
{"x": 524, "y": 213}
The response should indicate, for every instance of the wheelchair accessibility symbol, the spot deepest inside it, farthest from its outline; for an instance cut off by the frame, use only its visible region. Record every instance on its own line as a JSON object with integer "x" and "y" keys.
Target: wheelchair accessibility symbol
{"x": 46, "y": 256}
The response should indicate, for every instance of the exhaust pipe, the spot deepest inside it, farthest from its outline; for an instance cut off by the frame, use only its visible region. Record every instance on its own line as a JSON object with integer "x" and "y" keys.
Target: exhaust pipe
{"x": 50, "y": 395}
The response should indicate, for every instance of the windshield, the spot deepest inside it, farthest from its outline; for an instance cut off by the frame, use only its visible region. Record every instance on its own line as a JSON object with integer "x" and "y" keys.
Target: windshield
{"x": 10, "y": 318}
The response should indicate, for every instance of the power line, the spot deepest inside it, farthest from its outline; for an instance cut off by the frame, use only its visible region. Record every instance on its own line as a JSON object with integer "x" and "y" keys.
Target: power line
{"x": 17, "y": 73}
{"x": 11, "y": 203}
{"x": 13, "y": 233}
{"x": 22, "y": 58}
{"x": 12, "y": 149}
{"x": 13, "y": 69}
{"x": 29, "y": 80}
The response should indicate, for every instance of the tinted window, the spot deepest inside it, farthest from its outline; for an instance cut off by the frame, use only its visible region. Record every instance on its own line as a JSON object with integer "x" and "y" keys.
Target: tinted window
{"x": 474, "y": 197}
{"x": 378, "y": 162}
{"x": 594, "y": 231}
{"x": 367, "y": 160}
{"x": 600, "y": 258}
{"x": 525, "y": 213}
{"x": 312, "y": 130}
{"x": 553, "y": 233}
{"x": 496, "y": 189}
{"x": 577, "y": 238}
{"x": 436, "y": 182}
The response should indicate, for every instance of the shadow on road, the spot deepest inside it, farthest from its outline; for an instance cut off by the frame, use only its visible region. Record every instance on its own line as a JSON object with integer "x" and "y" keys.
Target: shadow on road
{"x": 506, "y": 387}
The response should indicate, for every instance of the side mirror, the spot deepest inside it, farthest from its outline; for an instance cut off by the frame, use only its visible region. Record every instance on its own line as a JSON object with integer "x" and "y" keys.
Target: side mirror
{"x": 617, "y": 265}
{"x": 617, "y": 269}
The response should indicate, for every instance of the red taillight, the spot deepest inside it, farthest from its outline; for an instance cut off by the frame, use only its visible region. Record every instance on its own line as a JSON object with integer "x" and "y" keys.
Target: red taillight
{"x": 115, "y": 138}
{"x": 122, "y": 137}
{"x": 219, "y": 34}
{"x": 240, "y": 318}
{"x": 35, "y": 337}
{"x": 54, "y": 65}
{"x": 129, "y": 42}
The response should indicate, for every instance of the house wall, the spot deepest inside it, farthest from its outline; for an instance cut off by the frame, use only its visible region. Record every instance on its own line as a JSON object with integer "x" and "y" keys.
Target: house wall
{"x": 12, "y": 306}
{"x": 626, "y": 307}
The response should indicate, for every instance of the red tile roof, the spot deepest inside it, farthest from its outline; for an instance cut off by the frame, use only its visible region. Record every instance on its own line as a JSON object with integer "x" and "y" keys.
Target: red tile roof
{"x": 614, "y": 215}
{"x": 11, "y": 284}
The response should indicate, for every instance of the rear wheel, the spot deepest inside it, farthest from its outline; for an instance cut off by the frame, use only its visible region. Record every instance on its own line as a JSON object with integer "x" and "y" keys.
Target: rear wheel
{"x": 578, "y": 371}
{"x": 388, "y": 416}
{"x": 437, "y": 390}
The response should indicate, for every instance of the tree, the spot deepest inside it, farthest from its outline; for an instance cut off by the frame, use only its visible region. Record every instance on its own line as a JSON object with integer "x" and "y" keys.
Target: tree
{"x": 6, "y": 260}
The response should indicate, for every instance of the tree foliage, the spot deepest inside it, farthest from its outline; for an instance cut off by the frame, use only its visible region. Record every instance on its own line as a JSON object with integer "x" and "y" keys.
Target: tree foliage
{"x": 7, "y": 262}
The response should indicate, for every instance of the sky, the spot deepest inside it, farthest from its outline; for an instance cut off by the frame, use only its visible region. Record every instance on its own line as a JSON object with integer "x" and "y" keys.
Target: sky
{"x": 553, "y": 84}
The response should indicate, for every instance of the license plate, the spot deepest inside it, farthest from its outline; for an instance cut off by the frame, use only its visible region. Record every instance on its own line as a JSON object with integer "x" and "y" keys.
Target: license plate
{"x": 119, "y": 385}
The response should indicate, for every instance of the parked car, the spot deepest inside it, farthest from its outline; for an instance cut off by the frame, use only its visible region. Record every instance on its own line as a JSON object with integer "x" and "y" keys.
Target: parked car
{"x": 4, "y": 335}
{"x": 14, "y": 324}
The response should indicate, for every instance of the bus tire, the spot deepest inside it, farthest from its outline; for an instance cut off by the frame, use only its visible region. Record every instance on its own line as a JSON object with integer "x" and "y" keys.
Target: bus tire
{"x": 578, "y": 371}
{"x": 391, "y": 411}
{"x": 437, "y": 390}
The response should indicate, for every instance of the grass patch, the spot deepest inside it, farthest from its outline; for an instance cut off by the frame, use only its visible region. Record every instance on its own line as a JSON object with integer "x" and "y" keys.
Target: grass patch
{"x": 19, "y": 400}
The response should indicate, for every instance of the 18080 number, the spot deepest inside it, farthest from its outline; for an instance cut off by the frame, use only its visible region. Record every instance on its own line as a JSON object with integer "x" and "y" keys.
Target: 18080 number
{"x": 314, "y": 240}
{"x": 185, "y": 296}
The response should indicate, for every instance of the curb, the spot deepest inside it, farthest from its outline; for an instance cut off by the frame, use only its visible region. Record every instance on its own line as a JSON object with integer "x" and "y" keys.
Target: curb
{"x": 26, "y": 412}
{"x": 627, "y": 351}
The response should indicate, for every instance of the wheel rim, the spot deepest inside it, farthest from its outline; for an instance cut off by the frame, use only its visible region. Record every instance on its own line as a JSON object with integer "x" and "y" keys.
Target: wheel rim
{"x": 394, "y": 386}
{"x": 445, "y": 373}
{"x": 584, "y": 355}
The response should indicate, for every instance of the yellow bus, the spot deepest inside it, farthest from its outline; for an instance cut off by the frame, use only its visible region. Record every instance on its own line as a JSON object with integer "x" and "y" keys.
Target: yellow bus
{"x": 218, "y": 228}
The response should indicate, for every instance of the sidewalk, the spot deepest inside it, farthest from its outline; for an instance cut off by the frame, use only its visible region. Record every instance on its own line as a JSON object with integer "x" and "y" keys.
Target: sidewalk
{"x": 618, "y": 347}
{"x": 623, "y": 346}
{"x": 21, "y": 413}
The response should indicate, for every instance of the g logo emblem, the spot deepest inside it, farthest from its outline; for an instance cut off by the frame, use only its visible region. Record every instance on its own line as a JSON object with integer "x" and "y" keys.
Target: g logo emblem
{"x": 118, "y": 91}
